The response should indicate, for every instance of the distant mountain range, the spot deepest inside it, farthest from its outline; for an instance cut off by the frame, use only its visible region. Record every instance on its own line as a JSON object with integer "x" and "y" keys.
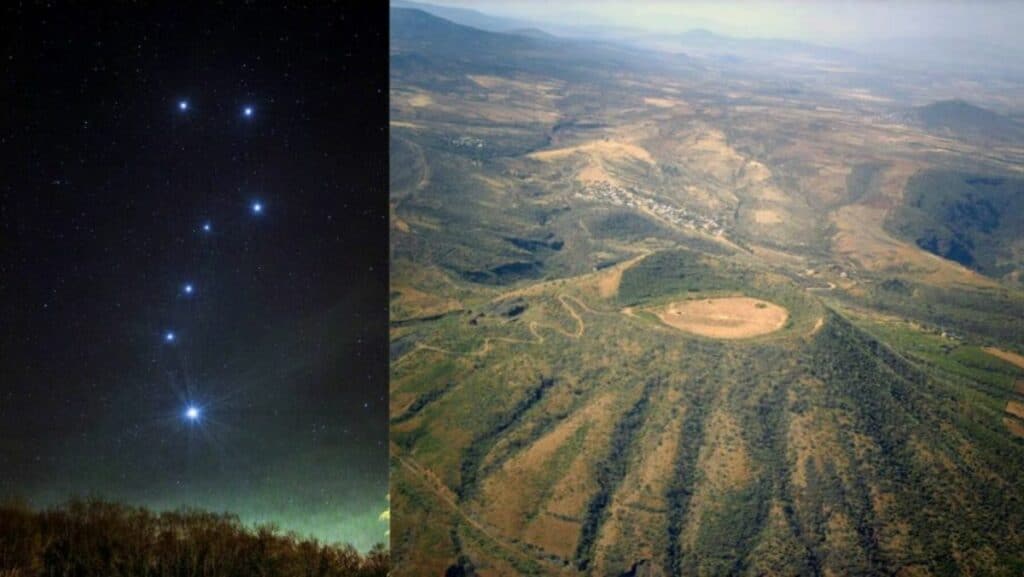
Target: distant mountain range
{"x": 969, "y": 57}
{"x": 422, "y": 35}
{"x": 698, "y": 38}
{"x": 468, "y": 17}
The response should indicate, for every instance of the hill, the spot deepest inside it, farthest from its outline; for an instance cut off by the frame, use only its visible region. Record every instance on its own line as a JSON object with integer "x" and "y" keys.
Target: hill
{"x": 975, "y": 220}
{"x": 962, "y": 119}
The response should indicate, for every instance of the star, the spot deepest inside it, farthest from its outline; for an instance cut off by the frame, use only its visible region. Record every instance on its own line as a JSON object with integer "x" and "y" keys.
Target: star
{"x": 247, "y": 111}
{"x": 169, "y": 337}
{"x": 188, "y": 288}
{"x": 257, "y": 207}
{"x": 207, "y": 227}
{"x": 183, "y": 105}
{"x": 192, "y": 413}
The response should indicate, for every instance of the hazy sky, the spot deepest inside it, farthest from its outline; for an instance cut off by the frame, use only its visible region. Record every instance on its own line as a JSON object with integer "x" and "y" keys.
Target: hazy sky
{"x": 822, "y": 22}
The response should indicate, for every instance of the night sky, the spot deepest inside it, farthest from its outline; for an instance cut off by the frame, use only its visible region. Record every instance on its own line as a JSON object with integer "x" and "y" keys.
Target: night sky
{"x": 139, "y": 199}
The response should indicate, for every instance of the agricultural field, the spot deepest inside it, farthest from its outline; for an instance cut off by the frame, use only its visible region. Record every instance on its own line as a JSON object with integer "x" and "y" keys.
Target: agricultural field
{"x": 657, "y": 316}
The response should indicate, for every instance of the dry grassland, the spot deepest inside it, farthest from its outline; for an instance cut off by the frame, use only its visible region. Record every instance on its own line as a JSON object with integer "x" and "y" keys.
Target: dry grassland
{"x": 725, "y": 318}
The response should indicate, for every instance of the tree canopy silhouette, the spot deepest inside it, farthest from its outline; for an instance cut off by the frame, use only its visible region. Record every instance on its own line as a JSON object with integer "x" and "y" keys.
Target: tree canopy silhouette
{"x": 91, "y": 537}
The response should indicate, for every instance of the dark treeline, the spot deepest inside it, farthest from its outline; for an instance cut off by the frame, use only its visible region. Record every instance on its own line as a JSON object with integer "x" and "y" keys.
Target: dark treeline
{"x": 85, "y": 538}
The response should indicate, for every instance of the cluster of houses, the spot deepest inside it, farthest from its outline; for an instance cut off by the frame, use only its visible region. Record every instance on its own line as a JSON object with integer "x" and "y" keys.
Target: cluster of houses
{"x": 604, "y": 191}
{"x": 467, "y": 142}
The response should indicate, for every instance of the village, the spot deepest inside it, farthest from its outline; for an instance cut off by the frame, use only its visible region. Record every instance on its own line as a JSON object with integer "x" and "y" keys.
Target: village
{"x": 618, "y": 196}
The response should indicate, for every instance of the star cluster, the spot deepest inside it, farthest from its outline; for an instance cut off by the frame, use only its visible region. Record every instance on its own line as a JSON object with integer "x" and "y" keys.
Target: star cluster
{"x": 192, "y": 227}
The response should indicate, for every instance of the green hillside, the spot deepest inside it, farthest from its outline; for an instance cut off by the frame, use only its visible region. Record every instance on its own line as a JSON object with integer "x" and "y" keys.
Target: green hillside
{"x": 975, "y": 220}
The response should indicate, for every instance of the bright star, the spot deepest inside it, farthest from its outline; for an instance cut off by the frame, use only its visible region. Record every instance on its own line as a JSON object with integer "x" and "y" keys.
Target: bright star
{"x": 257, "y": 207}
{"x": 207, "y": 227}
{"x": 192, "y": 413}
{"x": 169, "y": 337}
{"x": 247, "y": 111}
{"x": 188, "y": 289}
{"x": 183, "y": 105}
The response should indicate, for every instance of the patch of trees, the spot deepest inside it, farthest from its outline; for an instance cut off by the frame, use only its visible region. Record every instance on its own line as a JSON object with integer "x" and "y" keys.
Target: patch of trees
{"x": 895, "y": 285}
{"x": 765, "y": 426}
{"x": 955, "y": 509}
{"x": 989, "y": 316}
{"x": 628, "y": 225}
{"x": 610, "y": 473}
{"x": 727, "y": 531}
{"x": 862, "y": 180}
{"x": 678, "y": 271}
{"x": 684, "y": 477}
{"x": 506, "y": 273}
{"x": 421, "y": 402}
{"x": 533, "y": 245}
{"x": 481, "y": 445}
{"x": 970, "y": 219}
{"x": 93, "y": 538}
{"x": 510, "y": 308}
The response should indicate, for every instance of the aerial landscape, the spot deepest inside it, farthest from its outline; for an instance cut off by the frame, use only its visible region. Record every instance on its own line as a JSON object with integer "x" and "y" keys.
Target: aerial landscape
{"x": 692, "y": 304}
